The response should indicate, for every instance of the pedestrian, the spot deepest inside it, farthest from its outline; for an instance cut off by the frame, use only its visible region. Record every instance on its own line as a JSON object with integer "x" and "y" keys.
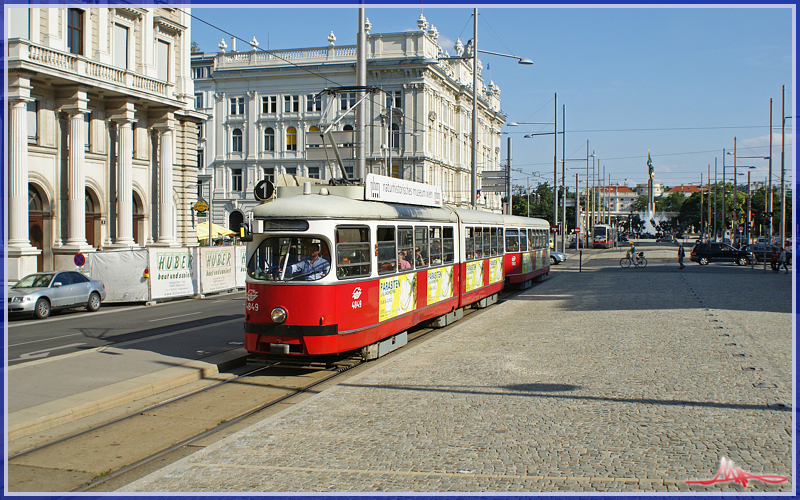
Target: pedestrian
{"x": 773, "y": 260}
{"x": 782, "y": 260}
{"x": 681, "y": 254}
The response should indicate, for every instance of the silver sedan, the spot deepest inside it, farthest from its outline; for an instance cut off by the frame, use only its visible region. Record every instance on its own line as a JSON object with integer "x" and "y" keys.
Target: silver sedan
{"x": 42, "y": 293}
{"x": 557, "y": 257}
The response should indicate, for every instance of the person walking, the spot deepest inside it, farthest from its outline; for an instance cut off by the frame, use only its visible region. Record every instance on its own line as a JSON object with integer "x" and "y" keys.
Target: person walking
{"x": 782, "y": 260}
{"x": 681, "y": 254}
{"x": 773, "y": 260}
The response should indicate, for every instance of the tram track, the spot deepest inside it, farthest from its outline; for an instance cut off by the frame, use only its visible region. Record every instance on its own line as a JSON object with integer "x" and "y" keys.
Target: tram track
{"x": 109, "y": 454}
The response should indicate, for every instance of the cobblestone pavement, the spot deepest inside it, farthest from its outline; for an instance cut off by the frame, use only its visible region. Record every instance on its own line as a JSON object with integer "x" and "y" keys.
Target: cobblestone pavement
{"x": 607, "y": 380}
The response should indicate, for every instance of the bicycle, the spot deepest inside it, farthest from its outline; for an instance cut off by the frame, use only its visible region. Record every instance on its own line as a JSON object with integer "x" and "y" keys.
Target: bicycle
{"x": 639, "y": 261}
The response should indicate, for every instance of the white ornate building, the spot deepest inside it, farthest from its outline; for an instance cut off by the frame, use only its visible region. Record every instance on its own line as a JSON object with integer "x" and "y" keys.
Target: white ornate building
{"x": 265, "y": 117}
{"x": 102, "y": 132}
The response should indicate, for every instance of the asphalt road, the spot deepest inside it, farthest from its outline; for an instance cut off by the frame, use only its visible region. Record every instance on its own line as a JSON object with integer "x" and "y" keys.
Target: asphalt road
{"x": 215, "y": 325}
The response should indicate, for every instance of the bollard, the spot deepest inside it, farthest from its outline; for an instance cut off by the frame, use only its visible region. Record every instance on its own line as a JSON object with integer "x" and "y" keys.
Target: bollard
{"x": 580, "y": 261}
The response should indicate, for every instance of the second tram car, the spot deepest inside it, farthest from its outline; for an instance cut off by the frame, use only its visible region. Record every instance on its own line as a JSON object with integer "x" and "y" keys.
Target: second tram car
{"x": 330, "y": 273}
{"x": 604, "y": 236}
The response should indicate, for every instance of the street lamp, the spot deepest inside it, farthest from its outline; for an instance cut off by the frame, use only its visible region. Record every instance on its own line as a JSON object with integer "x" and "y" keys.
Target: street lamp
{"x": 474, "y": 44}
{"x": 207, "y": 178}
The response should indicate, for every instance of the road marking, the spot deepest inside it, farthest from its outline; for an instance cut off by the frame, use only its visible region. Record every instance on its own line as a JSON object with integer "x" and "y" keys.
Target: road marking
{"x": 46, "y": 352}
{"x": 45, "y": 340}
{"x": 173, "y": 317}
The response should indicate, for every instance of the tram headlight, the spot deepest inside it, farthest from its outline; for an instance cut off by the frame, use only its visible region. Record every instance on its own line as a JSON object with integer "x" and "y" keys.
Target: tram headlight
{"x": 278, "y": 315}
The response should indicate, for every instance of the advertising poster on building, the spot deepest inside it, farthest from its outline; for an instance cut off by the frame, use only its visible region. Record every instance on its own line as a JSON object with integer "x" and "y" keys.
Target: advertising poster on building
{"x": 440, "y": 284}
{"x": 173, "y": 272}
{"x": 217, "y": 269}
{"x": 495, "y": 270}
{"x": 398, "y": 295}
{"x": 241, "y": 265}
{"x": 474, "y": 275}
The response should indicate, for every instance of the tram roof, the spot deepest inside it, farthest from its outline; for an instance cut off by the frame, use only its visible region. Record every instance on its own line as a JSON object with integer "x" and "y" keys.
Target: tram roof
{"x": 318, "y": 206}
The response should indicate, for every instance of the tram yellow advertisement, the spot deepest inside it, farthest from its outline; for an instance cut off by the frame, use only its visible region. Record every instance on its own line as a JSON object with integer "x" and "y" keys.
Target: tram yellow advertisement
{"x": 440, "y": 284}
{"x": 398, "y": 295}
{"x": 495, "y": 270}
{"x": 526, "y": 263}
{"x": 474, "y": 275}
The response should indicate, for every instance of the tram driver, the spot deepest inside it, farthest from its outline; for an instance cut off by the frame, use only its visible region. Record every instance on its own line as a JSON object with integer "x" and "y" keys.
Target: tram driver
{"x": 313, "y": 267}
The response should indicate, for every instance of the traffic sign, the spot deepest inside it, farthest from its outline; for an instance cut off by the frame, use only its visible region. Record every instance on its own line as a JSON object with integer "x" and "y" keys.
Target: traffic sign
{"x": 554, "y": 229}
{"x": 264, "y": 190}
{"x": 576, "y": 230}
{"x": 79, "y": 259}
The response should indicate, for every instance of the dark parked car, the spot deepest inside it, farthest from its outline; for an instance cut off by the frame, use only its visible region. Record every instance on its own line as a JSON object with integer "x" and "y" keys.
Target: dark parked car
{"x": 758, "y": 252}
{"x": 42, "y": 293}
{"x": 703, "y": 253}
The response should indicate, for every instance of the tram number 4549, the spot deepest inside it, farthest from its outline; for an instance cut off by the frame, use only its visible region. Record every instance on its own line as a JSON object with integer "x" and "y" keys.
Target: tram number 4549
{"x": 356, "y": 304}
{"x": 251, "y": 306}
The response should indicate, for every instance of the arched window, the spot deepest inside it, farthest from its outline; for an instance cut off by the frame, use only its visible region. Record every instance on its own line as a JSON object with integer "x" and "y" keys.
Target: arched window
{"x": 34, "y": 200}
{"x": 269, "y": 139}
{"x": 348, "y": 128}
{"x": 237, "y": 140}
{"x": 395, "y": 142}
{"x": 291, "y": 139}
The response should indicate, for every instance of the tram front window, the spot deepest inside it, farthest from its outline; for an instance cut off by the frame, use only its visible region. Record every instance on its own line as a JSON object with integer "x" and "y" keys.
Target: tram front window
{"x": 290, "y": 259}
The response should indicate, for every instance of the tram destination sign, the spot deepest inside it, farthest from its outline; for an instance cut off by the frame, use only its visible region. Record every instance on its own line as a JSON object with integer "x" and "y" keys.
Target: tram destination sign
{"x": 391, "y": 190}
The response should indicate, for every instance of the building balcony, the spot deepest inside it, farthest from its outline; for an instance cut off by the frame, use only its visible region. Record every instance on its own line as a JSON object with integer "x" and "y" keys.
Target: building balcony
{"x": 66, "y": 68}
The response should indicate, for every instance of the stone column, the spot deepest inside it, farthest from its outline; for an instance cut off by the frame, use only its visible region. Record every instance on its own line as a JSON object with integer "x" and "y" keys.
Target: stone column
{"x": 125, "y": 184}
{"x": 18, "y": 175}
{"x": 166, "y": 211}
{"x": 76, "y": 183}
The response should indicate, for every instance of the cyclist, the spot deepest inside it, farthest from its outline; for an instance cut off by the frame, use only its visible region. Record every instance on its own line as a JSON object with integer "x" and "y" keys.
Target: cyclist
{"x": 632, "y": 253}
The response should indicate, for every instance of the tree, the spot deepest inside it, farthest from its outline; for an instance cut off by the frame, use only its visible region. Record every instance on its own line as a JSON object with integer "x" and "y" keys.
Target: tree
{"x": 196, "y": 47}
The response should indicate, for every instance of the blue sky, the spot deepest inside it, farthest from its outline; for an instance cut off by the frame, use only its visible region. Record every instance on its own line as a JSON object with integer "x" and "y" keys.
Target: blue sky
{"x": 679, "y": 82}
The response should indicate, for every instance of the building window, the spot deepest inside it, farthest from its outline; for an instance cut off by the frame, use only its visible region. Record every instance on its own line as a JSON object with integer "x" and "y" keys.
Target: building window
{"x": 291, "y": 104}
{"x": 313, "y": 172}
{"x": 200, "y": 131}
{"x": 236, "y": 179}
{"x": 291, "y": 139}
{"x": 87, "y": 136}
{"x": 347, "y": 100}
{"x": 75, "y": 31}
{"x": 269, "y": 139}
{"x": 237, "y": 140}
{"x": 269, "y": 174}
{"x": 291, "y": 170}
{"x": 120, "y": 46}
{"x": 199, "y": 73}
{"x": 33, "y": 124}
{"x": 313, "y": 103}
{"x": 395, "y": 139}
{"x": 269, "y": 104}
{"x": 198, "y": 100}
{"x": 200, "y": 159}
{"x": 162, "y": 57}
{"x": 394, "y": 99}
{"x": 237, "y": 105}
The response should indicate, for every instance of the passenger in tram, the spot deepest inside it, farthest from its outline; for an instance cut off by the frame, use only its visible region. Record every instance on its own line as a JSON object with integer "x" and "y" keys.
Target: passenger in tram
{"x": 418, "y": 258}
{"x": 313, "y": 267}
{"x": 402, "y": 260}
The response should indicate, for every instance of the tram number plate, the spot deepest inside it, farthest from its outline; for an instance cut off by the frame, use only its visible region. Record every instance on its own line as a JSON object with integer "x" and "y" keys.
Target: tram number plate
{"x": 356, "y": 304}
{"x": 251, "y": 306}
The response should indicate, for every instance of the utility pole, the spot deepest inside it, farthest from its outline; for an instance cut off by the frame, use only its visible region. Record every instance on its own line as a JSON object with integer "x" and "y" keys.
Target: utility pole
{"x": 715, "y": 199}
{"x": 563, "y": 180}
{"x": 769, "y": 195}
{"x": 509, "y": 207}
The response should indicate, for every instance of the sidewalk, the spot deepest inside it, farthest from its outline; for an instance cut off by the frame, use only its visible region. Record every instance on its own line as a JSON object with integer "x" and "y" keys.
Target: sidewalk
{"x": 568, "y": 386}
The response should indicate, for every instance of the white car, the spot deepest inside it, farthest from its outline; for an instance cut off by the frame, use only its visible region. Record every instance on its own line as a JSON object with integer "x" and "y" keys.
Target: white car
{"x": 557, "y": 257}
{"x": 42, "y": 293}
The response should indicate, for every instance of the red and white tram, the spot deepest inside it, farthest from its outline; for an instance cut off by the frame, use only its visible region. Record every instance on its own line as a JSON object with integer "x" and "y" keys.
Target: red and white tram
{"x": 331, "y": 273}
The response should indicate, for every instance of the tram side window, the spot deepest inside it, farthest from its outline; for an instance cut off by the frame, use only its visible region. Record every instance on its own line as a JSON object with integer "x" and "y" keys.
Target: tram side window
{"x": 449, "y": 245}
{"x": 469, "y": 243}
{"x": 436, "y": 245}
{"x": 494, "y": 241}
{"x": 421, "y": 246}
{"x": 512, "y": 241}
{"x": 478, "y": 242}
{"x": 352, "y": 252}
{"x": 405, "y": 249}
{"x": 487, "y": 243}
{"x": 523, "y": 240}
{"x": 387, "y": 250}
